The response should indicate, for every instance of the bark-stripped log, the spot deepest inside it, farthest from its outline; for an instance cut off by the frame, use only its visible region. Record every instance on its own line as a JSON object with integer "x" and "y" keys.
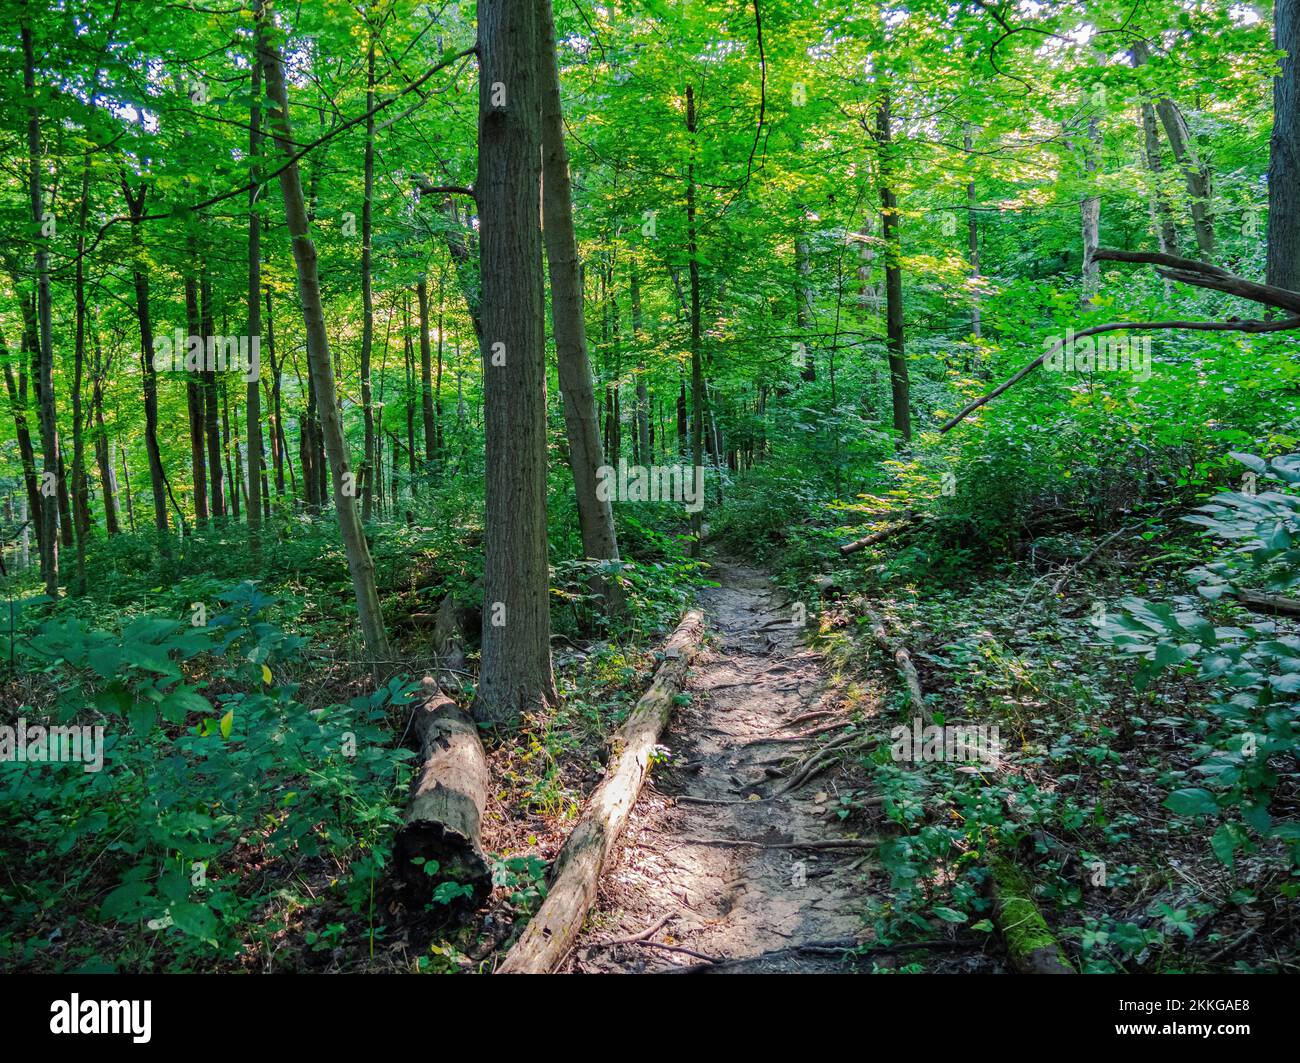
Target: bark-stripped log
{"x": 574, "y": 878}
{"x": 904, "y": 661}
{"x": 444, "y": 818}
{"x": 887, "y": 532}
{"x": 1273, "y": 604}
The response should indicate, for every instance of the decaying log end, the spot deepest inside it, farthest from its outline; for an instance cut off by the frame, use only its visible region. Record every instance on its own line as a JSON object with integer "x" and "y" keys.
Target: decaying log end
{"x": 444, "y": 817}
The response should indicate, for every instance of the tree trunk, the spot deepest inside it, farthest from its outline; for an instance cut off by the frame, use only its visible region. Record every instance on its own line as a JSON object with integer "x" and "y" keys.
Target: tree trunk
{"x": 697, "y": 361}
{"x": 107, "y": 479}
{"x": 1284, "y": 154}
{"x": 304, "y": 252}
{"x": 140, "y": 278}
{"x": 208, "y": 389}
{"x": 279, "y": 440}
{"x": 1166, "y": 231}
{"x": 515, "y": 676}
{"x": 803, "y": 302}
{"x": 900, "y": 387}
{"x": 45, "y": 334}
{"x": 194, "y": 393}
{"x": 370, "y": 461}
{"x": 253, "y": 401}
{"x": 426, "y": 372}
{"x": 26, "y": 452}
{"x": 80, "y": 503}
{"x": 1090, "y": 212}
{"x": 1195, "y": 173}
{"x": 577, "y": 389}
{"x": 972, "y": 235}
{"x": 646, "y": 457}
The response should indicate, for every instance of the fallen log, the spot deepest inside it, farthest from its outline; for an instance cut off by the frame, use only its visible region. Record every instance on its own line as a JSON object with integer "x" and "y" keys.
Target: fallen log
{"x": 444, "y": 817}
{"x": 1031, "y": 945}
{"x": 440, "y": 837}
{"x": 887, "y": 532}
{"x": 904, "y": 661}
{"x": 1273, "y": 604}
{"x": 572, "y": 891}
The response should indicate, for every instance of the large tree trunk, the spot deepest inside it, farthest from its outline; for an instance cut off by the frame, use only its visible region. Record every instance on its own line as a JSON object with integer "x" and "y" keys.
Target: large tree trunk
{"x": 45, "y": 333}
{"x": 577, "y": 389}
{"x": 1284, "y": 153}
{"x": 515, "y": 676}
{"x": 360, "y": 564}
{"x": 900, "y": 386}
{"x": 576, "y": 872}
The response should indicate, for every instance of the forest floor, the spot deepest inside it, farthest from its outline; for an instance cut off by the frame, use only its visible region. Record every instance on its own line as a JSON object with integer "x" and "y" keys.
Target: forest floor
{"x": 775, "y": 908}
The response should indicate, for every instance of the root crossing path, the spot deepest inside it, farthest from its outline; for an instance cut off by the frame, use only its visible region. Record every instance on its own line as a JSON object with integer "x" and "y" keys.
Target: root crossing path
{"x": 717, "y": 863}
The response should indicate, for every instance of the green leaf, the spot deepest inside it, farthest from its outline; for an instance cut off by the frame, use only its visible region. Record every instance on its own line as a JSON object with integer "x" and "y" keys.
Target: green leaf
{"x": 1192, "y": 802}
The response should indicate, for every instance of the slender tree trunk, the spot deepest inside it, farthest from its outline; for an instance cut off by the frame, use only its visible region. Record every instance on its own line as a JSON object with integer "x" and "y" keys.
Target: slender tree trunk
{"x": 232, "y": 480}
{"x": 26, "y": 452}
{"x": 577, "y": 388}
{"x": 369, "y": 461}
{"x": 410, "y": 404}
{"x": 140, "y": 277}
{"x": 45, "y": 335}
{"x": 280, "y": 441}
{"x": 1195, "y": 173}
{"x": 194, "y": 393}
{"x": 80, "y": 502}
{"x": 208, "y": 389}
{"x": 972, "y": 235}
{"x": 697, "y": 361}
{"x": 642, "y": 391}
{"x": 1090, "y": 212}
{"x": 515, "y": 676}
{"x": 126, "y": 484}
{"x": 1284, "y": 153}
{"x": 107, "y": 477}
{"x": 900, "y": 387}
{"x": 803, "y": 302}
{"x": 426, "y": 372}
{"x": 253, "y": 411}
{"x": 354, "y": 541}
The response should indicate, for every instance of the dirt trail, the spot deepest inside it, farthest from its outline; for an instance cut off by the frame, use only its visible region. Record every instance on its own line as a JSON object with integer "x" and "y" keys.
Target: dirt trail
{"x": 725, "y": 901}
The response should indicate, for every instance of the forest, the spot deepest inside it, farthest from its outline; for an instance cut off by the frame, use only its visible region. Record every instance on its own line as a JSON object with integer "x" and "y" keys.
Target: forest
{"x": 649, "y": 486}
